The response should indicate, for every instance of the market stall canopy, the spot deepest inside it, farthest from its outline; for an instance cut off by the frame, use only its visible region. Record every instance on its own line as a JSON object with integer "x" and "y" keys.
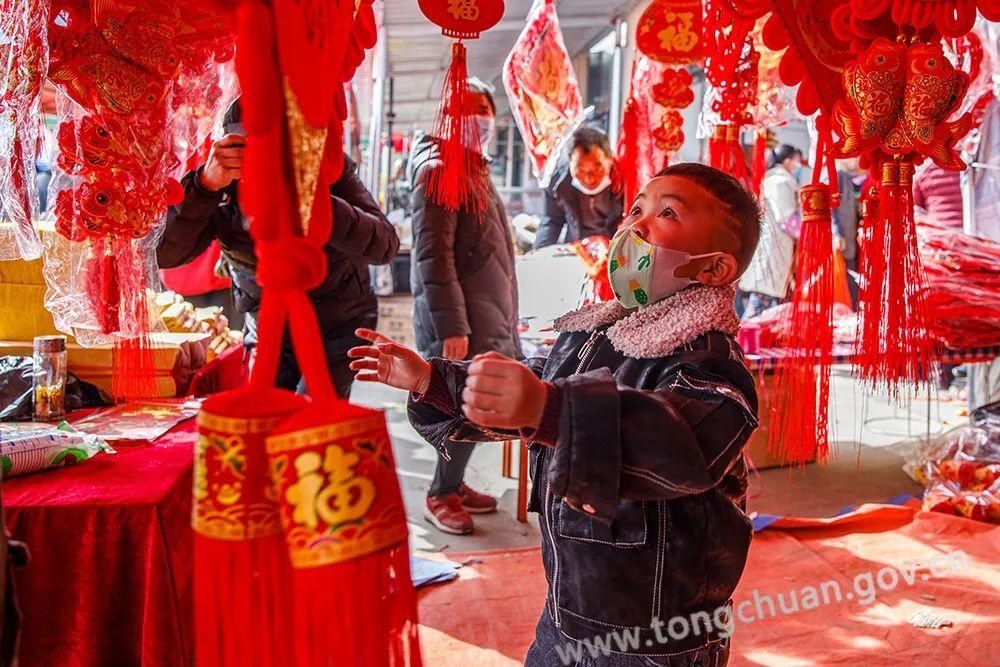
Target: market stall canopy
{"x": 418, "y": 55}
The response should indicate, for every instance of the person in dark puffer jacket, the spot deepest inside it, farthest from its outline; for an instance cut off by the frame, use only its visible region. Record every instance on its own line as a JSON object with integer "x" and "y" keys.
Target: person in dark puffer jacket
{"x": 361, "y": 236}
{"x": 464, "y": 301}
{"x": 636, "y": 421}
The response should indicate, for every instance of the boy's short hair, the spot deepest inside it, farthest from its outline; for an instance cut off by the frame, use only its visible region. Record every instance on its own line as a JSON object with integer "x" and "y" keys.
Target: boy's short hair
{"x": 588, "y": 137}
{"x": 744, "y": 208}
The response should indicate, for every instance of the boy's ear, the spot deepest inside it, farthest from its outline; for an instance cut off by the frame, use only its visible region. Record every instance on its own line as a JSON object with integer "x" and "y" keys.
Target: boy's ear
{"x": 720, "y": 270}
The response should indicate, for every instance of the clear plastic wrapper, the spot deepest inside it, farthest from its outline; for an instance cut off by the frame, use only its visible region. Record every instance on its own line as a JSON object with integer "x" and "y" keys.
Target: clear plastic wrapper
{"x": 23, "y": 62}
{"x": 961, "y": 469}
{"x": 128, "y": 128}
{"x": 544, "y": 95}
{"x": 32, "y": 446}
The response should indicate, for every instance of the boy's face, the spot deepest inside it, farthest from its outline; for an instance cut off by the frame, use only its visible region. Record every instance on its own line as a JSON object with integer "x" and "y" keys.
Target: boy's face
{"x": 675, "y": 212}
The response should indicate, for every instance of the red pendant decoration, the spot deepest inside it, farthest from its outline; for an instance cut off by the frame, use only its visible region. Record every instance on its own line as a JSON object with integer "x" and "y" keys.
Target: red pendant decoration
{"x": 542, "y": 88}
{"x": 798, "y": 48}
{"x": 461, "y": 179}
{"x": 798, "y": 426}
{"x": 338, "y": 591}
{"x": 899, "y": 97}
{"x": 731, "y": 69}
{"x": 119, "y": 64}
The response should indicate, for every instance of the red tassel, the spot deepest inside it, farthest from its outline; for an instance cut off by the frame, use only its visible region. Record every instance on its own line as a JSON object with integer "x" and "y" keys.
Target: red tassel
{"x": 759, "y": 162}
{"x": 242, "y": 574}
{"x": 894, "y": 346}
{"x": 461, "y": 180}
{"x": 726, "y": 153}
{"x": 798, "y": 422}
{"x": 134, "y": 369}
{"x": 345, "y": 527}
{"x": 103, "y": 286}
{"x": 627, "y": 160}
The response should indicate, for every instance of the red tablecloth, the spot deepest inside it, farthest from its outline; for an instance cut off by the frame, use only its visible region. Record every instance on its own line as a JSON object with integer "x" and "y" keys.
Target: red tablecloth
{"x": 109, "y": 582}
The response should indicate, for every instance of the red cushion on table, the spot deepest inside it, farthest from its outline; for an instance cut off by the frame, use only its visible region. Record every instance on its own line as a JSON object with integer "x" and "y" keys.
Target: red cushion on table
{"x": 109, "y": 582}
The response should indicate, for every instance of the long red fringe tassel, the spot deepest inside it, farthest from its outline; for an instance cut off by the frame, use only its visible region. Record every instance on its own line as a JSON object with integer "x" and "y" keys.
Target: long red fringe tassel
{"x": 243, "y": 608}
{"x": 726, "y": 153}
{"x": 627, "y": 158}
{"x": 894, "y": 347}
{"x": 758, "y": 166}
{"x": 461, "y": 179}
{"x": 800, "y": 412}
{"x": 377, "y": 628}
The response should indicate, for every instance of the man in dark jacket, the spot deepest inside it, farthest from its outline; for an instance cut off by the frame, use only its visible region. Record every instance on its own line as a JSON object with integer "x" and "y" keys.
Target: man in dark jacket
{"x": 580, "y": 201}
{"x": 465, "y": 302}
{"x": 361, "y": 236}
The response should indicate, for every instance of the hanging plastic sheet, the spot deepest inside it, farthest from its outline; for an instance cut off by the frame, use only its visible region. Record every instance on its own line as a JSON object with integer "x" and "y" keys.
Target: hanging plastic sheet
{"x": 23, "y": 62}
{"x": 544, "y": 94}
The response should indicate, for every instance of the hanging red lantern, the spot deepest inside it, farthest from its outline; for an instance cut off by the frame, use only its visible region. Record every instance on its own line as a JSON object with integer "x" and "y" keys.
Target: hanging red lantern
{"x": 462, "y": 179}
{"x": 463, "y": 19}
{"x": 669, "y": 31}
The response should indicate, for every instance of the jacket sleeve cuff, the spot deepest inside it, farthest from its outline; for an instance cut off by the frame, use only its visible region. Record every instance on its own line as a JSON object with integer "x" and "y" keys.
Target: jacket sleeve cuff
{"x": 547, "y": 432}
{"x": 586, "y": 463}
{"x": 438, "y": 394}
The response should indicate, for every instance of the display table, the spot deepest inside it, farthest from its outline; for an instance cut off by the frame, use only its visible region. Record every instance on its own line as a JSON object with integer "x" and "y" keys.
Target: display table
{"x": 109, "y": 581}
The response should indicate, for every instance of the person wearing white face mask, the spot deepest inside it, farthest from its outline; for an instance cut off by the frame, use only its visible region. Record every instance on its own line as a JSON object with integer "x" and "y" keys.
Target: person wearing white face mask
{"x": 465, "y": 297}
{"x": 581, "y": 202}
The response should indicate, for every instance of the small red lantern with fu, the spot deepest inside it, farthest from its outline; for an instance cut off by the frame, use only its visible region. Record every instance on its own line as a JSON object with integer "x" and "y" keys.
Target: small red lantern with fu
{"x": 463, "y": 19}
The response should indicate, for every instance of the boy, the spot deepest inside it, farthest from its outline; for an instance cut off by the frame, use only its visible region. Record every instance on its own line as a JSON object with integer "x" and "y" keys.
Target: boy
{"x": 637, "y": 421}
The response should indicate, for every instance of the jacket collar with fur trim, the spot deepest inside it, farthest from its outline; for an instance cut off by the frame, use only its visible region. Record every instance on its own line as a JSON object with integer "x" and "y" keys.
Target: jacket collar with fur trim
{"x": 659, "y": 329}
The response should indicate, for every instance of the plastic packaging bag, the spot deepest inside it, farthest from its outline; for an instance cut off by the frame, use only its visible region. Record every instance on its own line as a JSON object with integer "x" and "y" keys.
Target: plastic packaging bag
{"x": 961, "y": 469}
{"x": 32, "y": 446}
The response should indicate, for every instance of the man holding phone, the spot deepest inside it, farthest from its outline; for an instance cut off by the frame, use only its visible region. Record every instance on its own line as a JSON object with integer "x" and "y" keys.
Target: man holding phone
{"x": 361, "y": 236}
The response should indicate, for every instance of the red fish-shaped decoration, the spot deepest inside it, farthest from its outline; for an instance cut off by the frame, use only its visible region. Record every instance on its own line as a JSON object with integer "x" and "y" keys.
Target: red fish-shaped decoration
{"x": 874, "y": 90}
{"x": 934, "y": 88}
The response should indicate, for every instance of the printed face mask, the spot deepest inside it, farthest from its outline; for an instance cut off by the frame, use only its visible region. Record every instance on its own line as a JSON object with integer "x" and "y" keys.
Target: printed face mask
{"x": 602, "y": 186}
{"x": 642, "y": 274}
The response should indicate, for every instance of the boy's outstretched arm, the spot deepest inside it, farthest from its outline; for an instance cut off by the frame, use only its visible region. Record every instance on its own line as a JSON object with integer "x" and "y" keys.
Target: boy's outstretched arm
{"x": 613, "y": 442}
{"x": 438, "y": 388}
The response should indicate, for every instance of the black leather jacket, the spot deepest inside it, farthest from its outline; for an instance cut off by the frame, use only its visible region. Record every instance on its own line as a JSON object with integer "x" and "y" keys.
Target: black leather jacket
{"x": 642, "y": 496}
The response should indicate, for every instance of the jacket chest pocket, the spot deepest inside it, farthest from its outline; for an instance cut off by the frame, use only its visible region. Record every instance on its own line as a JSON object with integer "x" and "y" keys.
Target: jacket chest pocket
{"x": 628, "y": 530}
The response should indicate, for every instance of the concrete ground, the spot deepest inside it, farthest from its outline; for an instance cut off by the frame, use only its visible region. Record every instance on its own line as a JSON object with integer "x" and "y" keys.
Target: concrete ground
{"x": 870, "y": 436}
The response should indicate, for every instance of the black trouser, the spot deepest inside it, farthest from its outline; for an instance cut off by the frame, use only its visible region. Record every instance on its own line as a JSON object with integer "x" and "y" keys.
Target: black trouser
{"x": 449, "y": 475}
{"x": 336, "y": 344}
{"x": 543, "y": 652}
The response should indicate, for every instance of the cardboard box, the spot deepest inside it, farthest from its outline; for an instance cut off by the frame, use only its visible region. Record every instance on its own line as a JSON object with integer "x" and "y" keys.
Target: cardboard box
{"x": 176, "y": 356}
{"x": 395, "y": 318}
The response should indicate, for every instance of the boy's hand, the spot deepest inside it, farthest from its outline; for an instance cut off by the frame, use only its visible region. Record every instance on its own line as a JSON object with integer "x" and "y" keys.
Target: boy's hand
{"x": 389, "y": 362}
{"x": 502, "y": 393}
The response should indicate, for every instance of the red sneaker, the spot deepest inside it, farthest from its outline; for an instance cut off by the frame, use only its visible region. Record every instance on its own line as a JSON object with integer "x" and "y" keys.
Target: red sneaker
{"x": 475, "y": 502}
{"x": 448, "y": 515}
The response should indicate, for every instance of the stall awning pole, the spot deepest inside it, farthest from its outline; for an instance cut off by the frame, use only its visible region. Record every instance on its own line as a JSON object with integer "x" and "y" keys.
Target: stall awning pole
{"x": 374, "y": 171}
{"x": 617, "y": 93}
